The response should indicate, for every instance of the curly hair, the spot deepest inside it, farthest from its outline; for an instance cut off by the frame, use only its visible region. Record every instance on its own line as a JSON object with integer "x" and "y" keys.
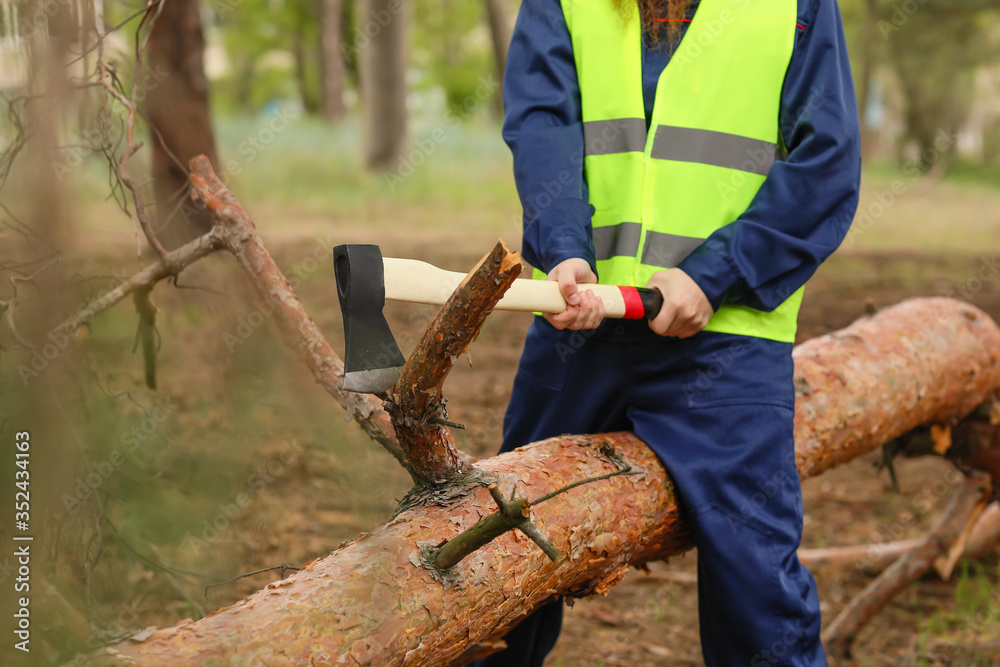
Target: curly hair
{"x": 662, "y": 20}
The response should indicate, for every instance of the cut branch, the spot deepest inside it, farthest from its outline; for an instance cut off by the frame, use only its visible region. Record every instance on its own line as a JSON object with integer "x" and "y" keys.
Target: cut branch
{"x": 512, "y": 514}
{"x": 965, "y": 507}
{"x": 858, "y": 388}
{"x": 415, "y": 404}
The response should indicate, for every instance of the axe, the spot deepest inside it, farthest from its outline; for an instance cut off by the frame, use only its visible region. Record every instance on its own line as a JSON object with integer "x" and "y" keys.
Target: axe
{"x": 373, "y": 361}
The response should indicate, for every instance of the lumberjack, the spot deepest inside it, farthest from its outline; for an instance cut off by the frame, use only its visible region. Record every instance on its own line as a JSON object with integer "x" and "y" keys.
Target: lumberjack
{"x": 680, "y": 146}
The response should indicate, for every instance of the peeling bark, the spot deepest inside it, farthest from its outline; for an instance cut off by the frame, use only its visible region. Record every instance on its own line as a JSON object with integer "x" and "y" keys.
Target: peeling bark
{"x": 373, "y": 602}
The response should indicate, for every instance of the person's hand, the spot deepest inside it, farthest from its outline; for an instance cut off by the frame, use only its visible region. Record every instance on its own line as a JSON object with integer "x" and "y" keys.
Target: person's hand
{"x": 584, "y": 309}
{"x": 686, "y": 309}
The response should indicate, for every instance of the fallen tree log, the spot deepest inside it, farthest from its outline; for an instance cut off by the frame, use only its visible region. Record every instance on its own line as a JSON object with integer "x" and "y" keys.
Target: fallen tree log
{"x": 374, "y": 602}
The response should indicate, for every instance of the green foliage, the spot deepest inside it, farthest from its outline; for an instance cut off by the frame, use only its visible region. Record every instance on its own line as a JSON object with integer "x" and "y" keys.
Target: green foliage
{"x": 273, "y": 50}
{"x": 314, "y": 167}
{"x": 961, "y": 634}
{"x": 983, "y": 175}
{"x": 452, "y": 49}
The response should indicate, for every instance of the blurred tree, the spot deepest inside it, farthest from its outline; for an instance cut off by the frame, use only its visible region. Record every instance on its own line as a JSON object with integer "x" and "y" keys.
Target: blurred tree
{"x": 382, "y": 41}
{"x": 867, "y": 71}
{"x": 496, "y": 15}
{"x": 453, "y": 46}
{"x": 935, "y": 50}
{"x": 934, "y": 47}
{"x": 332, "y": 61}
{"x": 305, "y": 35}
{"x": 349, "y": 38}
{"x": 176, "y": 104}
{"x": 276, "y": 50}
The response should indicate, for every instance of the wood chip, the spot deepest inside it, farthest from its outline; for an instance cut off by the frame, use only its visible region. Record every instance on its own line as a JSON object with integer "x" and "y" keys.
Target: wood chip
{"x": 941, "y": 434}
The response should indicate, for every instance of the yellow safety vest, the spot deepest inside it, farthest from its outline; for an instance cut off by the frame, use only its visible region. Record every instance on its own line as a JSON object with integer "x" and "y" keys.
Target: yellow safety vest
{"x": 659, "y": 192}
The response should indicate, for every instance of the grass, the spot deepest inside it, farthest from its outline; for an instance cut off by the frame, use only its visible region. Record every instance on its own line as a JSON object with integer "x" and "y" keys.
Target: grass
{"x": 964, "y": 633}
{"x": 294, "y": 173}
{"x": 898, "y": 213}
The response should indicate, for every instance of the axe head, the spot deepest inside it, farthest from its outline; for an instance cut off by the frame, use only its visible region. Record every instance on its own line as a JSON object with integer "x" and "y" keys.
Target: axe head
{"x": 372, "y": 361}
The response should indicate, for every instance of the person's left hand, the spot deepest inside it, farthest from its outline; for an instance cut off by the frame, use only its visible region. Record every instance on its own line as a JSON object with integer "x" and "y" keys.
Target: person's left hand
{"x": 686, "y": 309}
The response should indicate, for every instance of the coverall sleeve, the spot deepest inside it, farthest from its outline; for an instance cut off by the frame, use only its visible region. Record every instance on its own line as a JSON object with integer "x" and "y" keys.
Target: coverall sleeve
{"x": 543, "y": 127}
{"x": 805, "y": 207}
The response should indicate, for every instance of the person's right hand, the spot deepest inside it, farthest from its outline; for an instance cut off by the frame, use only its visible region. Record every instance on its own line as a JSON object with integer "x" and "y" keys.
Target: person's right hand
{"x": 584, "y": 309}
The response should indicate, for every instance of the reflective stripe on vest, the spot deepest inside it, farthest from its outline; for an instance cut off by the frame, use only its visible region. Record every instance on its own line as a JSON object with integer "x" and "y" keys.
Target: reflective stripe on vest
{"x": 622, "y": 240}
{"x": 658, "y": 192}
{"x": 684, "y": 144}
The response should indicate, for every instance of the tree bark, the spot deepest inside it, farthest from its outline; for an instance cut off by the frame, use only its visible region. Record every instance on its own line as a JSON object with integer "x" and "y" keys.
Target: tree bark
{"x": 176, "y": 104}
{"x": 383, "y": 44}
{"x": 332, "y": 61}
{"x": 300, "y": 52}
{"x": 867, "y": 75}
{"x": 376, "y": 602}
{"x": 496, "y": 17}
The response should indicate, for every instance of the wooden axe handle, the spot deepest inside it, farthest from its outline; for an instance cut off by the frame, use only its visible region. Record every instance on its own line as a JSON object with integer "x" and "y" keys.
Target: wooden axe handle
{"x": 419, "y": 282}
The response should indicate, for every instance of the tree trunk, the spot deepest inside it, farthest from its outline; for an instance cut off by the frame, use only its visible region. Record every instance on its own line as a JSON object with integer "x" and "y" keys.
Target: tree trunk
{"x": 300, "y": 51}
{"x": 349, "y": 35}
{"x": 383, "y": 45}
{"x": 176, "y": 104}
{"x": 332, "y": 61}
{"x": 496, "y": 16}
{"x": 378, "y": 601}
{"x": 868, "y": 136}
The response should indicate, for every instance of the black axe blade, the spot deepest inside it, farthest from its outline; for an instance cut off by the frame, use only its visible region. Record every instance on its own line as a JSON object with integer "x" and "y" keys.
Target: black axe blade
{"x": 372, "y": 360}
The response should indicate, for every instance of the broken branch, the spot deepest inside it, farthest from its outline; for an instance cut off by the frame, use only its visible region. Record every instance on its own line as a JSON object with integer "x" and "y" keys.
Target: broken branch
{"x": 146, "y": 332}
{"x": 415, "y": 404}
{"x": 964, "y": 508}
{"x": 169, "y": 265}
{"x": 876, "y": 557}
{"x": 239, "y": 237}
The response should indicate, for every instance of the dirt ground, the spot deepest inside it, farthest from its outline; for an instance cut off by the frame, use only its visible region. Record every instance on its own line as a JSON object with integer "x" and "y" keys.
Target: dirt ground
{"x": 651, "y": 618}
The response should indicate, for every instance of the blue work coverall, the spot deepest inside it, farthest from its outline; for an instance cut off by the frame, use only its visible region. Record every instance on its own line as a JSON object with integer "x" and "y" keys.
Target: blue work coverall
{"x": 717, "y": 409}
